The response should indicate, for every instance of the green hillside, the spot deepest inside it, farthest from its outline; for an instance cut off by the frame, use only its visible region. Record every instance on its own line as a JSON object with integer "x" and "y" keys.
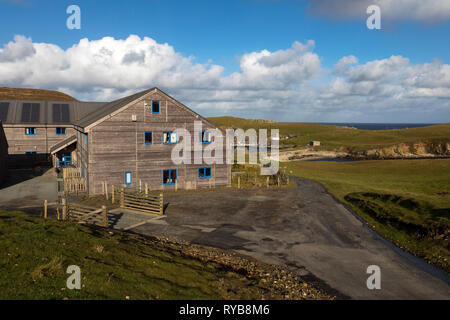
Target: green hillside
{"x": 334, "y": 137}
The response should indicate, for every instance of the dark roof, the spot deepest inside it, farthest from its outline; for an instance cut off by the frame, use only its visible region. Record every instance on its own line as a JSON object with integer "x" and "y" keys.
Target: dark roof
{"x": 11, "y": 111}
{"x": 62, "y": 144}
{"x": 109, "y": 108}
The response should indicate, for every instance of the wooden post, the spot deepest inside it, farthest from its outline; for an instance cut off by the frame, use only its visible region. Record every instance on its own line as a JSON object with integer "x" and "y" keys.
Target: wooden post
{"x": 57, "y": 213}
{"x": 140, "y": 185}
{"x": 105, "y": 216}
{"x": 239, "y": 182}
{"x": 122, "y": 198}
{"x": 256, "y": 173}
{"x": 278, "y": 180}
{"x": 287, "y": 180}
{"x": 267, "y": 182}
{"x": 112, "y": 194}
{"x": 103, "y": 188}
{"x": 161, "y": 203}
{"x": 64, "y": 209}
{"x": 146, "y": 190}
{"x": 106, "y": 190}
{"x": 45, "y": 209}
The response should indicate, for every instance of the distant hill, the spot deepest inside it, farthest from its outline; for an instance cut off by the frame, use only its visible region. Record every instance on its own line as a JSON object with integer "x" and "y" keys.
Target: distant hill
{"x": 33, "y": 94}
{"x": 298, "y": 135}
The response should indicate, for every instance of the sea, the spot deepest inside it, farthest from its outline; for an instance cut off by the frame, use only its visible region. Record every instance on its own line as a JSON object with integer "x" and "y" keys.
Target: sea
{"x": 378, "y": 126}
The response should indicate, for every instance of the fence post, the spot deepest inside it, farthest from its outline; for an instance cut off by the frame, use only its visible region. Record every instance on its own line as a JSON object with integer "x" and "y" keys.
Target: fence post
{"x": 45, "y": 209}
{"x": 122, "y": 198}
{"x": 64, "y": 209}
{"x": 267, "y": 182}
{"x": 103, "y": 188}
{"x": 106, "y": 190}
{"x": 112, "y": 194}
{"x": 105, "y": 216}
{"x": 146, "y": 190}
{"x": 287, "y": 180}
{"x": 161, "y": 203}
{"x": 278, "y": 180}
{"x": 239, "y": 182}
{"x": 140, "y": 185}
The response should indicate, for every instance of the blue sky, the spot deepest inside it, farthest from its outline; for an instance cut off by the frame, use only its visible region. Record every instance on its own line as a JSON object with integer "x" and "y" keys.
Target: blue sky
{"x": 221, "y": 33}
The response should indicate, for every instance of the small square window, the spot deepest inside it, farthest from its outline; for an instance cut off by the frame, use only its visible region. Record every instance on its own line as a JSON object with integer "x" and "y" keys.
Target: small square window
{"x": 148, "y": 138}
{"x": 61, "y": 131}
{"x": 169, "y": 176}
{"x": 169, "y": 137}
{"x": 155, "y": 107}
{"x": 204, "y": 172}
{"x": 205, "y": 137}
{"x": 30, "y": 131}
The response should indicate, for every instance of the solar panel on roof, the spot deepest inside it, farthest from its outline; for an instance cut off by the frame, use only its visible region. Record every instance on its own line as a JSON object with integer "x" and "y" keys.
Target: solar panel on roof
{"x": 30, "y": 112}
{"x": 4, "y": 106}
{"x": 61, "y": 113}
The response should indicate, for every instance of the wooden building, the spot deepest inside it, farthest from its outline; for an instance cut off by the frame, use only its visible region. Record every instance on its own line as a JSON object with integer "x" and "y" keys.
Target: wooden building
{"x": 126, "y": 142}
{"x": 130, "y": 141}
{"x": 3, "y": 154}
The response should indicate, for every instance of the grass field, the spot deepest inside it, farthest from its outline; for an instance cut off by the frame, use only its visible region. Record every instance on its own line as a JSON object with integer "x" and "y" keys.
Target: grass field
{"x": 407, "y": 201}
{"x": 36, "y": 252}
{"x": 334, "y": 137}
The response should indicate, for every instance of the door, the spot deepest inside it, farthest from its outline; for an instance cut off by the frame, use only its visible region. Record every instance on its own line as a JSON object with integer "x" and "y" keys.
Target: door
{"x": 65, "y": 160}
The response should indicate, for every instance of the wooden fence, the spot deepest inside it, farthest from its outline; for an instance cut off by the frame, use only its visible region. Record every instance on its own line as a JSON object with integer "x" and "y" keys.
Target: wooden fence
{"x": 84, "y": 214}
{"x": 141, "y": 201}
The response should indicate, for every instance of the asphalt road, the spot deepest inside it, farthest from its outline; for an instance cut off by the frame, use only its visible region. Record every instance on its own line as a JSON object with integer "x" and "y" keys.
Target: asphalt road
{"x": 302, "y": 228}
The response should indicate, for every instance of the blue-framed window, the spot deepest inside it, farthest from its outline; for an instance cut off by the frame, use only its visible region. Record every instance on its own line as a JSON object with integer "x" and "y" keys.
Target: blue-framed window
{"x": 61, "y": 131}
{"x": 169, "y": 176}
{"x": 156, "y": 107}
{"x": 204, "y": 173}
{"x": 31, "y": 153}
{"x": 205, "y": 137}
{"x": 128, "y": 178}
{"x": 148, "y": 137}
{"x": 30, "y": 131}
{"x": 169, "y": 137}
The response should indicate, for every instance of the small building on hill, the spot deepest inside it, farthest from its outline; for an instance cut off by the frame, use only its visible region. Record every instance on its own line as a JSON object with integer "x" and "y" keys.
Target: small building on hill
{"x": 314, "y": 143}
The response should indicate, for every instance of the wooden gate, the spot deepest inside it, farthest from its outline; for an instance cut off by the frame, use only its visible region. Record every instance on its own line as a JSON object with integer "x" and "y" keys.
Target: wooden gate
{"x": 84, "y": 214}
{"x": 71, "y": 180}
{"x": 140, "y": 202}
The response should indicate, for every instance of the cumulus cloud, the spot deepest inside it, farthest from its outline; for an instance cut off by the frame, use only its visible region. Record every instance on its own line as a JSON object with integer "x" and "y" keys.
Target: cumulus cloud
{"x": 287, "y": 84}
{"x": 428, "y": 11}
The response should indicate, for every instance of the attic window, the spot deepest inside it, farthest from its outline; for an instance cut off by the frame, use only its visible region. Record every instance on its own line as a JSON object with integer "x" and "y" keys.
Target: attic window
{"x": 4, "y": 106}
{"x": 155, "y": 107}
{"x": 30, "y": 112}
{"x": 205, "y": 137}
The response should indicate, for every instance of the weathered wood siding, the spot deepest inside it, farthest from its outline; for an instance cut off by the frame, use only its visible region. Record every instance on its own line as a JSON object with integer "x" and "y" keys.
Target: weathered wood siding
{"x": 116, "y": 145}
{"x": 20, "y": 143}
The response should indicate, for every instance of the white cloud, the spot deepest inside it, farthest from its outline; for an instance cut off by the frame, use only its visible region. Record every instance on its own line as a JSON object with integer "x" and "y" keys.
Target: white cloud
{"x": 288, "y": 84}
{"x": 428, "y": 11}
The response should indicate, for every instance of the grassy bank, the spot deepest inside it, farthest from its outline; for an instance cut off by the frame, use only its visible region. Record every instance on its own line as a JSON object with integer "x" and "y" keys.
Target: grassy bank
{"x": 407, "y": 201}
{"x": 36, "y": 252}
{"x": 334, "y": 137}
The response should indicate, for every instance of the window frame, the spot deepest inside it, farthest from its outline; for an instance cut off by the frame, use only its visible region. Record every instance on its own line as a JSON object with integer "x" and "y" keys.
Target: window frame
{"x": 159, "y": 106}
{"x": 131, "y": 178}
{"x": 29, "y": 133}
{"x": 170, "y": 174}
{"x": 170, "y": 134}
{"x": 30, "y": 153}
{"x": 61, "y": 128}
{"x": 204, "y": 172}
{"x": 201, "y": 137}
{"x": 145, "y": 140}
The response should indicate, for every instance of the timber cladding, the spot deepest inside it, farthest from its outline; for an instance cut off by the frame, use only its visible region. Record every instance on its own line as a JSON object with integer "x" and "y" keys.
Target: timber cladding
{"x": 116, "y": 146}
